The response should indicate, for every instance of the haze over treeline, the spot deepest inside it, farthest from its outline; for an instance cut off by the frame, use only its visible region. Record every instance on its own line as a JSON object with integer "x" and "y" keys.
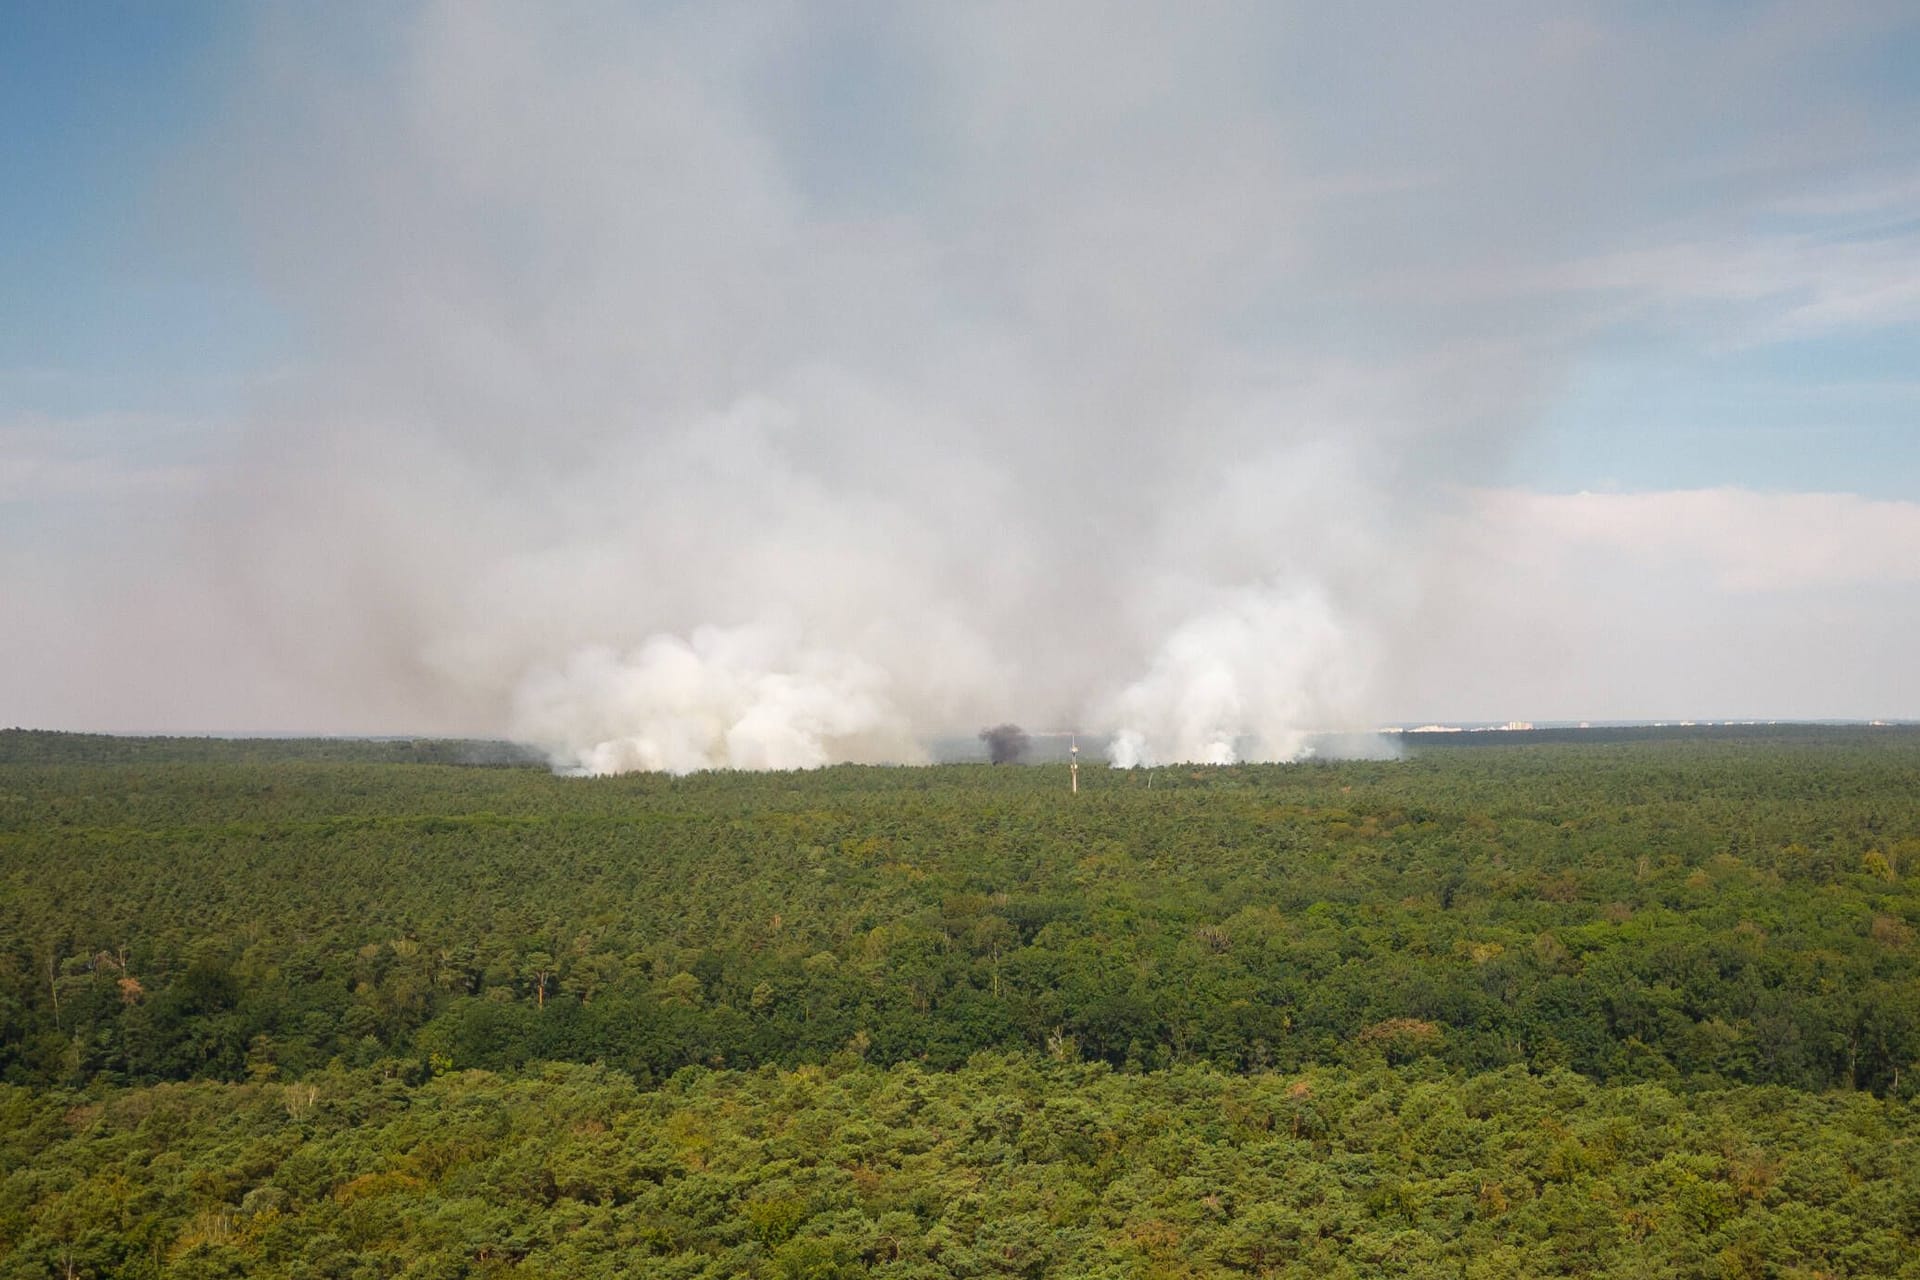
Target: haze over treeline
{"x": 764, "y": 387}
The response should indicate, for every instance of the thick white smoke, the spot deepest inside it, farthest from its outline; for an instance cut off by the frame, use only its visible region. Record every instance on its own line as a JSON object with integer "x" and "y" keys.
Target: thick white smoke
{"x": 1252, "y": 679}
{"x": 759, "y": 386}
{"x": 739, "y": 698}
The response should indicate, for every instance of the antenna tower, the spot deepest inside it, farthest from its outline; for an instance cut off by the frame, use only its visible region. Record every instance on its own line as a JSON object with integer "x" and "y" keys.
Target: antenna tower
{"x": 1073, "y": 769}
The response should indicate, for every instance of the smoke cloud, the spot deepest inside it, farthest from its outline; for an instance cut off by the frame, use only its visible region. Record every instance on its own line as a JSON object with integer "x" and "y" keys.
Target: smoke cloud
{"x": 1006, "y": 743}
{"x": 761, "y": 386}
{"x": 743, "y": 698}
{"x": 1248, "y": 680}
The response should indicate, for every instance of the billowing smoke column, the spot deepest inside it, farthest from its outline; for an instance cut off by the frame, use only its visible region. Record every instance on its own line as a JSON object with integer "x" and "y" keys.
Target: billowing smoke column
{"x": 1251, "y": 679}
{"x": 737, "y": 698}
{"x": 766, "y": 386}
{"x": 1006, "y": 743}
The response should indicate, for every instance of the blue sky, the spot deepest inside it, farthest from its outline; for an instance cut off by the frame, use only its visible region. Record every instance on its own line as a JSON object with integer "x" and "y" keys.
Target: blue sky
{"x": 110, "y": 307}
{"x": 1424, "y": 277}
{"x": 1834, "y": 413}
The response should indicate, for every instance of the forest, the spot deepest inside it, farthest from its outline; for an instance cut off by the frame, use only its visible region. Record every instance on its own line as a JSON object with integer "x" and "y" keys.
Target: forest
{"x": 1608, "y": 1003}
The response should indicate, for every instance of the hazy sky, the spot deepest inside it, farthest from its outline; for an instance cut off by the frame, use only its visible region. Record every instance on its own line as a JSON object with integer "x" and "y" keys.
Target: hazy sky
{"x": 735, "y": 384}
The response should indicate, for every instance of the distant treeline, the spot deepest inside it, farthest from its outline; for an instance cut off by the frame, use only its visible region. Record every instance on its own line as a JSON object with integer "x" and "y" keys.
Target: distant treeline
{"x": 1759, "y": 732}
{"x": 46, "y": 746}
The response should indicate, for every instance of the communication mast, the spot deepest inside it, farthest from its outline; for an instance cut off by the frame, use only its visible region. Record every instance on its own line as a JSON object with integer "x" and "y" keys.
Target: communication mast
{"x": 1073, "y": 769}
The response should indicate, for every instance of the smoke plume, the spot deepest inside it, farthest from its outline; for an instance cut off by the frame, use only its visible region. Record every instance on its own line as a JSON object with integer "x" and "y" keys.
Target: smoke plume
{"x": 766, "y": 386}
{"x": 1006, "y": 743}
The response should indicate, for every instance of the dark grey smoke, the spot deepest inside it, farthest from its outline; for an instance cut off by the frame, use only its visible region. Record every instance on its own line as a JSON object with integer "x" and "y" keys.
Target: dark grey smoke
{"x": 1006, "y": 743}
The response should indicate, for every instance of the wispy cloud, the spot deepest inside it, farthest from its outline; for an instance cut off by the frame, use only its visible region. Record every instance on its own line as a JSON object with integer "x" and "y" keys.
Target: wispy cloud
{"x": 106, "y": 458}
{"x": 1674, "y": 604}
{"x": 1745, "y": 542}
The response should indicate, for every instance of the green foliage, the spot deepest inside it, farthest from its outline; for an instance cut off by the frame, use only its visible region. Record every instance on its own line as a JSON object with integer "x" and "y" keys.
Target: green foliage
{"x": 1636, "y": 1005}
{"x": 1007, "y": 1166}
{"x": 1733, "y": 908}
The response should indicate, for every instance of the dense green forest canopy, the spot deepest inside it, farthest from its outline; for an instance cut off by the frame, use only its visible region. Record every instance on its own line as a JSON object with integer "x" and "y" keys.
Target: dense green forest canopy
{"x": 1008, "y": 1166}
{"x": 1737, "y": 906}
{"x": 272, "y": 1001}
